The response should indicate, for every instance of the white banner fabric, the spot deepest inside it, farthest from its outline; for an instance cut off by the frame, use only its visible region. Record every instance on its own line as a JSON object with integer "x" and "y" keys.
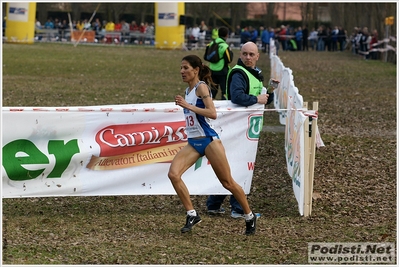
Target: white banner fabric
{"x": 117, "y": 150}
{"x": 295, "y": 154}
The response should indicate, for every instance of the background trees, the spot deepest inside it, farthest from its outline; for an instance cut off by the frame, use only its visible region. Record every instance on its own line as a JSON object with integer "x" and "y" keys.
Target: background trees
{"x": 348, "y": 14}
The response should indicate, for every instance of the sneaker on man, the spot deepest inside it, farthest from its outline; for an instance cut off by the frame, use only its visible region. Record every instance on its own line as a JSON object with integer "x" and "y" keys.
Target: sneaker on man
{"x": 250, "y": 226}
{"x": 190, "y": 222}
{"x": 236, "y": 215}
{"x": 217, "y": 212}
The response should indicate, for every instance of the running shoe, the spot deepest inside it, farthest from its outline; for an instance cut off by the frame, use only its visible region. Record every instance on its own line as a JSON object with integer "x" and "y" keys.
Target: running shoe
{"x": 236, "y": 215}
{"x": 250, "y": 226}
{"x": 190, "y": 222}
{"x": 217, "y": 212}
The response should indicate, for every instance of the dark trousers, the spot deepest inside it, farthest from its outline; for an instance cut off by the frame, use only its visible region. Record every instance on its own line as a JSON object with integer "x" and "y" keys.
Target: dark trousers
{"x": 266, "y": 47}
{"x": 220, "y": 80}
{"x": 305, "y": 46}
{"x": 214, "y": 202}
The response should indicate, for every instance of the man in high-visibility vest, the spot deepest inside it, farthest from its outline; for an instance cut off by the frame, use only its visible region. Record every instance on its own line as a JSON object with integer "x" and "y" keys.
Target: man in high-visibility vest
{"x": 221, "y": 68}
{"x": 215, "y": 33}
{"x": 244, "y": 87}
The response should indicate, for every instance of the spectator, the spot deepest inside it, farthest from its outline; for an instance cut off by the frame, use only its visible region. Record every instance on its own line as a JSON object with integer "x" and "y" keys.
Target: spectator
{"x": 195, "y": 32}
{"x": 373, "y": 48}
{"x": 305, "y": 36}
{"x": 221, "y": 68}
{"x": 135, "y": 29}
{"x": 79, "y": 26}
{"x": 125, "y": 31}
{"x": 265, "y": 37}
{"x": 245, "y": 36}
{"x": 87, "y": 25}
{"x": 214, "y": 33}
{"x": 365, "y": 43}
{"x": 63, "y": 29}
{"x": 38, "y": 25}
{"x": 202, "y": 35}
{"x": 290, "y": 36}
{"x": 334, "y": 38}
{"x": 238, "y": 31}
{"x": 321, "y": 38}
{"x": 57, "y": 26}
{"x": 254, "y": 34}
{"x": 203, "y": 26}
{"x": 341, "y": 38}
{"x": 327, "y": 41}
{"x": 97, "y": 26}
{"x": 244, "y": 85}
{"x": 358, "y": 39}
{"x": 282, "y": 37}
{"x": 110, "y": 26}
{"x": 353, "y": 40}
{"x": 103, "y": 32}
{"x": 133, "y": 26}
{"x": 198, "y": 109}
{"x": 73, "y": 24}
{"x": 49, "y": 24}
{"x": 150, "y": 31}
{"x": 299, "y": 38}
{"x": 313, "y": 39}
{"x": 118, "y": 26}
{"x": 57, "y": 23}
{"x": 142, "y": 30}
{"x": 275, "y": 35}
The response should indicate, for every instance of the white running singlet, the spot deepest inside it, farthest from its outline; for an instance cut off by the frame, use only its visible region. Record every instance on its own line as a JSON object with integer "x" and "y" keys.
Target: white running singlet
{"x": 197, "y": 125}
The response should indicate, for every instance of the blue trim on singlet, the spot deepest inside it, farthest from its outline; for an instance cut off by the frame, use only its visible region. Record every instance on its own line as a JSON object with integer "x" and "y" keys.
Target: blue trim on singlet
{"x": 209, "y": 131}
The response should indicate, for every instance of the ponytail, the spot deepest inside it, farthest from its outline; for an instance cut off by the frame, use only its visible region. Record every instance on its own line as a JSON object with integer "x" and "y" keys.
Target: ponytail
{"x": 205, "y": 73}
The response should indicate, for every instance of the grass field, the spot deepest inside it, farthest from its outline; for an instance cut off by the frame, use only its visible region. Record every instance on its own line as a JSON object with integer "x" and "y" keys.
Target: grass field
{"x": 355, "y": 173}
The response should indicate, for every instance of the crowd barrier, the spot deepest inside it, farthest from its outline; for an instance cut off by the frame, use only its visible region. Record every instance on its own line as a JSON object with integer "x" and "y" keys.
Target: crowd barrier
{"x": 302, "y": 135}
{"x": 90, "y": 36}
{"x": 376, "y": 47}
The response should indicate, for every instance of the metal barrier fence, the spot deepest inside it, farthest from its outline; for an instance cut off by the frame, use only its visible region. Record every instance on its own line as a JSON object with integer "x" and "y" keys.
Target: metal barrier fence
{"x": 116, "y": 37}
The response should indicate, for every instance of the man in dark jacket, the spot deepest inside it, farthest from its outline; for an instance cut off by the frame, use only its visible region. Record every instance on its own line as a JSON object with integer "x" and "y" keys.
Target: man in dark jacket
{"x": 244, "y": 86}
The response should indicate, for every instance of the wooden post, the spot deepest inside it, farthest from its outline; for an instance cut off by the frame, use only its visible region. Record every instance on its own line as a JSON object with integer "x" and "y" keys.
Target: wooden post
{"x": 310, "y": 150}
{"x": 306, "y": 205}
{"x": 84, "y": 30}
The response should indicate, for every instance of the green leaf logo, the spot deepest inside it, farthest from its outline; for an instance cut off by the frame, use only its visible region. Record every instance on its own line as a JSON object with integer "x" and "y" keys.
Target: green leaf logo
{"x": 255, "y": 127}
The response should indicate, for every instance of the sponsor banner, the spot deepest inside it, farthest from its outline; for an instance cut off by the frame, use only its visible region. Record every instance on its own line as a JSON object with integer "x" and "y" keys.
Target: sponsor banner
{"x": 295, "y": 154}
{"x": 168, "y": 14}
{"x": 18, "y": 12}
{"x": 117, "y": 150}
{"x": 286, "y": 91}
{"x": 352, "y": 253}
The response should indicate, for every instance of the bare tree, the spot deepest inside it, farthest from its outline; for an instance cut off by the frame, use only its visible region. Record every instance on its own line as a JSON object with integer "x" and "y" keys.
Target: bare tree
{"x": 238, "y": 12}
{"x": 271, "y": 16}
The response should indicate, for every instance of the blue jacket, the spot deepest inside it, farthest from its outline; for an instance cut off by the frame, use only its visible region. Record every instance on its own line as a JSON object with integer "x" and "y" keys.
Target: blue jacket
{"x": 298, "y": 35}
{"x": 245, "y": 36}
{"x": 254, "y": 36}
{"x": 265, "y": 37}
